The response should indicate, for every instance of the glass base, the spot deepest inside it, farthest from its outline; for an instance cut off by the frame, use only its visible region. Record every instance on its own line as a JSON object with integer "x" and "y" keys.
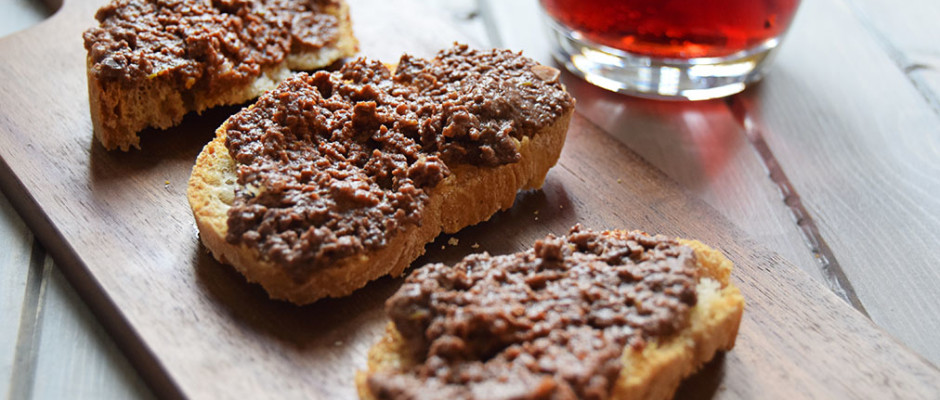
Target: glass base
{"x": 658, "y": 78}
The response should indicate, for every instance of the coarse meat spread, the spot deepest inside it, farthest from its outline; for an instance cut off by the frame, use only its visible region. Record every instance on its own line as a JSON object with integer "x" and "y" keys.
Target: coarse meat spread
{"x": 211, "y": 44}
{"x": 547, "y": 323}
{"x": 332, "y": 164}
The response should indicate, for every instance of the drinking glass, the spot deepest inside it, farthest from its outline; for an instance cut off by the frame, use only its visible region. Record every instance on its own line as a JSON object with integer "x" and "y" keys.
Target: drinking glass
{"x": 668, "y": 49}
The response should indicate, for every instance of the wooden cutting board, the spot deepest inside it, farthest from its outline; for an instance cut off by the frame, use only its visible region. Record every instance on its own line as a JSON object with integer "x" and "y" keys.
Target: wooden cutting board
{"x": 119, "y": 226}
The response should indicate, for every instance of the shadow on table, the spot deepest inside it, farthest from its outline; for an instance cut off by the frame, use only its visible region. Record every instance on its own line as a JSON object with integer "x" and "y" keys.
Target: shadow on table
{"x": 705, "y": 383}
{"x": 180, "y": 144}
{"x": 330, "y": 321}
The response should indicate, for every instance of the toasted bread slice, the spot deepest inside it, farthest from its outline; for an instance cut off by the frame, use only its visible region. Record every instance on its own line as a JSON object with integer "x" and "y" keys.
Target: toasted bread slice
{"x": 468, "y": 195}
{"x": 123, "y": 103}
{"x": 650, "y": 371}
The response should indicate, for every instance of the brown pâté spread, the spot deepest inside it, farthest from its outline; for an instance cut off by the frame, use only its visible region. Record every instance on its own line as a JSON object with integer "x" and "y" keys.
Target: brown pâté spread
{"x": 332, "y": 164}
{"x": 210, "y": 43}
{"x": 548, "y": 323}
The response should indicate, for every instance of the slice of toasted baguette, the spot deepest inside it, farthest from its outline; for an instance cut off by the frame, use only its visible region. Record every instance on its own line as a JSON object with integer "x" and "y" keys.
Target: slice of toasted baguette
{"x": 471, "y": 194}
{"x": 119, "y": 110}
{"x": 651, "y": 372}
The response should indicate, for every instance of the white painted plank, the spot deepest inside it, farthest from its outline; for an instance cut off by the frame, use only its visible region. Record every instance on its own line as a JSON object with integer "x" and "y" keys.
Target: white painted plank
{"x": 16, "y": 15}
{"x": 929, "y": 77}
{"x": 463, "y": 15}
{"x": 910, "y": 26}
{"x": 15, "y": 244}
{"x": 445, "y": 23}
{"x": 908, "y": 31}
{"x": 77, "y": 359}
{"x": 30, "y": 325}
{"x": 699, "y": 145}
{"x": 862, "y": 146}
{"x": 519, "y": 27}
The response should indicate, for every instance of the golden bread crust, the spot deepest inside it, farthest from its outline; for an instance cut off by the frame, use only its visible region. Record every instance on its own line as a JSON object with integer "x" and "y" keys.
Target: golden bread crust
{"x": 470, "y": 195}
{"x": 119, "y": 112}
{"x": 654, "y": 372}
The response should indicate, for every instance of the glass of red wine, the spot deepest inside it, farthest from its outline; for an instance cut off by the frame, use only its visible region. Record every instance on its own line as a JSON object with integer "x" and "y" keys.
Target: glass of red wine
{"x": 668, "y": 49}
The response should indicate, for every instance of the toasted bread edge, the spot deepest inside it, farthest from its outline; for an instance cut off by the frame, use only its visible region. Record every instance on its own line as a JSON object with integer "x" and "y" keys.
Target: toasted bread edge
{"x": 119, "y": 112}
{"x": 654, "y": 372}
{"x": 468, "y": 196}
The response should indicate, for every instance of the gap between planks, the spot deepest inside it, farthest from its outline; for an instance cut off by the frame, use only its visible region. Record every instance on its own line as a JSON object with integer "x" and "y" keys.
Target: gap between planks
{"x": 906, "y": 63}
{"x": 833, "y": 275}
{"x": 30, "y": 325}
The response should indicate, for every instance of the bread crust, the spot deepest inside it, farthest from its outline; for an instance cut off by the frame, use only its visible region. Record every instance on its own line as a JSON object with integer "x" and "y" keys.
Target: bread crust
{"x": 119, "y": 111}
{"x": 471, "y": 194}
{"x": 651, "y": 373}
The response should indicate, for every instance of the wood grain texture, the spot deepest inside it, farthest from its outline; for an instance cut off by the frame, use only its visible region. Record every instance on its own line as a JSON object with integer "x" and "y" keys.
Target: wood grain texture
{"x": 21, "y": 339}
{"x": 30, "y": 326}
{"x": 76, "y": 358}
{"x": 126, "y": 239}
{"x": 462, "y": 16}
{"x": 434, "y": 17}
{"x": 930, "y": 77}
{"x": 15, "y": 244}
{"x": 908, "y": 33}
{"x": 700, "y": 145}
{"x": 21, "y": 14}
{"x": 861, "y": 146}
{"x": 901, "y": 25}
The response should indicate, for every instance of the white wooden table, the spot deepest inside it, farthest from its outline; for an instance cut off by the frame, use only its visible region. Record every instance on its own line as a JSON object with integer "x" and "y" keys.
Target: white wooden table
{"x": 833, "y": 162}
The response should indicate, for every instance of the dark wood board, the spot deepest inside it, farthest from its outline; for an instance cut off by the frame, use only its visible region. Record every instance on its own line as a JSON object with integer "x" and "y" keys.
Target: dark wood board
{"x": 119, "y": 226}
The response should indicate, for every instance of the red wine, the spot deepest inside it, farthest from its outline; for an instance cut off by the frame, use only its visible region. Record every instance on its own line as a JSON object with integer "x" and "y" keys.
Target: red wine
{"x": 675, "y": 28}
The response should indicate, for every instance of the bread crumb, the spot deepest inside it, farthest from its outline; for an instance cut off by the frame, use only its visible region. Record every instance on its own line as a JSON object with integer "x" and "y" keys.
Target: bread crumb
{"x": 619, "y": 180}
{"x": 536, "y": 212}
{"x": 338, "y": 343}
{"x": 475, "y": 246}
{"x": 453, "y": 241}
{"x": 443, "y": 247}
{"x": 536, "y": 218}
